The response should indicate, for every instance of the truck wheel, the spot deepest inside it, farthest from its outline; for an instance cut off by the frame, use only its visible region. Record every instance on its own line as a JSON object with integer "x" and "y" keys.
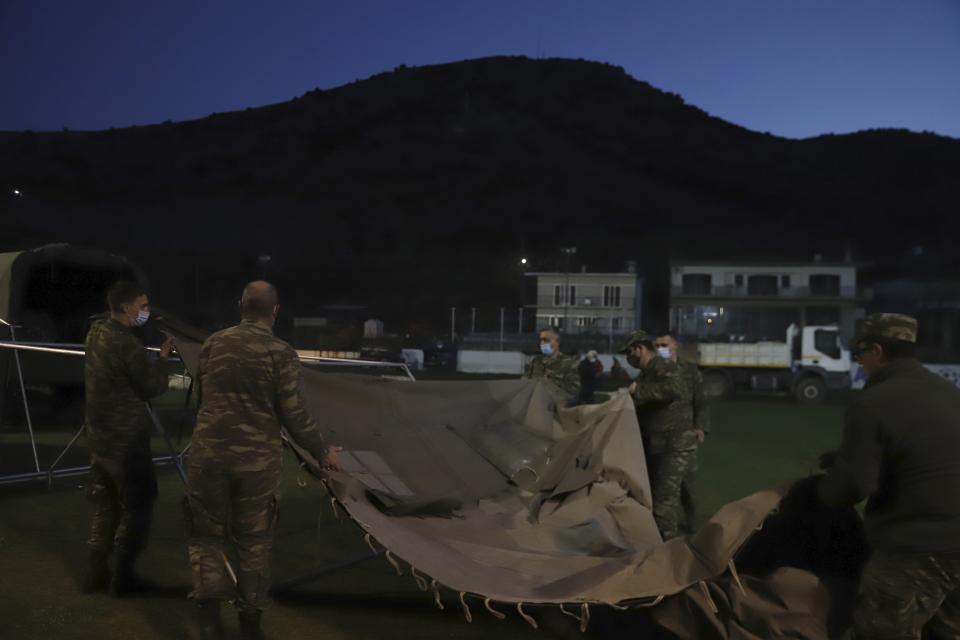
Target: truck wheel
{"x": 810, "y": 391}
{"x": 716, "y": 385}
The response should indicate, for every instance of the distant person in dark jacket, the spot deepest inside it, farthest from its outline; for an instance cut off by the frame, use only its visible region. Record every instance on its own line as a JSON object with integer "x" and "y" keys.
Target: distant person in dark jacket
{"x": 588, "y": 377}
{"x": 901, "y": 450}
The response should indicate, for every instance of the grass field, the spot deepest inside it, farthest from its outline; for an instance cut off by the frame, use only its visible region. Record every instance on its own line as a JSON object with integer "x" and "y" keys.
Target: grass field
{"x": 755, "y": 443}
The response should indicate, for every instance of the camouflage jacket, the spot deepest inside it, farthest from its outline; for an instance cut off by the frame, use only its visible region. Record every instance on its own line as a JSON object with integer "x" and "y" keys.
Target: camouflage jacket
{"x": 560, "y": 370}
{"x": 250, "y": 387}
{"x": 663, "y": 412}
{"x": 119, "y": 377}
{"x": 693, "y": 381}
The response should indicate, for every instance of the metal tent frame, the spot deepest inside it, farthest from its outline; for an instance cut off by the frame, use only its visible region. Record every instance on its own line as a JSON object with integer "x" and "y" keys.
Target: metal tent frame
{"x": 52, "y": 471}
{"x": 173, "y": 457}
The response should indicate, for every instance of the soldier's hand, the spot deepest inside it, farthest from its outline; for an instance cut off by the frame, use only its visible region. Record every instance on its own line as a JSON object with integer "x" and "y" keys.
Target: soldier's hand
{"x": 632, "y": 388}
{"x": 701, "y": 435}
{"x": 166, "y": 348}
{"x": 331, "y": 461}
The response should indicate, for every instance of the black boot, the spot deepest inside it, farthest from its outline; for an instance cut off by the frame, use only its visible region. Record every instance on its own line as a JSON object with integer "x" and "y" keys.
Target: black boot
{"x": 208, "y": 617}
{"x": 250, "y": 625}
{"x": 126, "y": 582}
{"x": 97, "y": 577}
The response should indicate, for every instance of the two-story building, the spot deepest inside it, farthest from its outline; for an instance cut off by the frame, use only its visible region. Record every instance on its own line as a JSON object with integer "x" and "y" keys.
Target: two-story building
{"x": 581, "y": 302}
{"x": 717, "y": 300}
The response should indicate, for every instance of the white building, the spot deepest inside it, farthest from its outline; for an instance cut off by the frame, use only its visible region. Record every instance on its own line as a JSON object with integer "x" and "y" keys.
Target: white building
{"x": 604, "y": 303}
{"x": 711, "y": 299}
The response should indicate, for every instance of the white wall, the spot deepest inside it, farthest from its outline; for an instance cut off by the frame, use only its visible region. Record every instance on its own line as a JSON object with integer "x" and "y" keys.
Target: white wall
{"x": 506, "y": 362}
{"x": 514, "y": 362}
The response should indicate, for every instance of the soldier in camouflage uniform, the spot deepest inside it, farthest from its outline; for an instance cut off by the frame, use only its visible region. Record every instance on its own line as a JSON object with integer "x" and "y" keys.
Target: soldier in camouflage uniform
{"x": 900, "y": 449}
{"x": 119, "y": 377}
{"x": 250, "y": 387}
{"x": 556, "y": 368}
{"x": 667, "y": 348}
{"x": 659, "y": 394}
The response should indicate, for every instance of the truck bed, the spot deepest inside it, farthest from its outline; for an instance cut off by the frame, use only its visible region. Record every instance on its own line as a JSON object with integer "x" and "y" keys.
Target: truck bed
{"x": 773, "y": 355}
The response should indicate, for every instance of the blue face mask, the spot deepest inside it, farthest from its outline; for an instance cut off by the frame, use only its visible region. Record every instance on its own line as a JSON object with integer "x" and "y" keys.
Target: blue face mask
{"x": 141, "y": 319}
{"x": 546, "y": 348}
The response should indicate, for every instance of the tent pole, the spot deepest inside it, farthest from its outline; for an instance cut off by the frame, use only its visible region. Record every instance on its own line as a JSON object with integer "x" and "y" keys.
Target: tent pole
{"x": 67, "y": 448}
{"x": 23, "y": 395}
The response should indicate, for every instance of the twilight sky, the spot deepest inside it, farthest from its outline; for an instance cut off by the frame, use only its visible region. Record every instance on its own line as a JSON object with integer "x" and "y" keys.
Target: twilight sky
{"x": 793, "y": 68}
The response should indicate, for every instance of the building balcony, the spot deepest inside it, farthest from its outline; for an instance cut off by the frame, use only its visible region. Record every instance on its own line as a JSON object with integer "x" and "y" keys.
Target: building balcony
{"x": 593, "y": 303}
{"x": 733, "y": 291}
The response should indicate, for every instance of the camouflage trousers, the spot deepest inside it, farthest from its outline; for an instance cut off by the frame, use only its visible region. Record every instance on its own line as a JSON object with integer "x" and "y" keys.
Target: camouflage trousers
{"x": 123, "y": 492}
{"x": 686, "y": 498}
{"x": 906, "y": 596}
{"x": 231, "y": 514}
{"x": 669, "y": 470}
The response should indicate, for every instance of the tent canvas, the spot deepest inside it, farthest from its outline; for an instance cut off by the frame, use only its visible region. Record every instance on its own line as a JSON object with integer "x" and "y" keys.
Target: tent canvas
{"x": 489, "y": 489}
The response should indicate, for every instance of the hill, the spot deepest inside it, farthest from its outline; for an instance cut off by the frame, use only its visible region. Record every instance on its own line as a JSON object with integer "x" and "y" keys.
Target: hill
{"x": 419, "y": 189}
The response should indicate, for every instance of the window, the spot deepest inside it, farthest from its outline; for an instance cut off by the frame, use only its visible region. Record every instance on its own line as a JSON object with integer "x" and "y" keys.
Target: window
{"x": 554, "y": 321}
{"x": 617, "y": 324}
{"x": 827, "y": 342}
{"x": 784, "y": 282}
{"x": 611, "y": 296}
{"x": 697, "y": 284}
{"x": 825, "y": 285}
{"x": 586, "y": 321}
{"x": 738, "y": 280}
{"x": 559, "y": 300}
{"x": 762, "y": 286}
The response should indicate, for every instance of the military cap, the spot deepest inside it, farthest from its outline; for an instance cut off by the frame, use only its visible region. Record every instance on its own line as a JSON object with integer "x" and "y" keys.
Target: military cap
{"x": 637, "y": 336}
{"x": 887, "y": 325}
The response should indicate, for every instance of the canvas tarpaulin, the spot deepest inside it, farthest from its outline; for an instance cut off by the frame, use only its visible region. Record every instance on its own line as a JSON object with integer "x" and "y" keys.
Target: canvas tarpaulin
{"x": 488, "y": 489}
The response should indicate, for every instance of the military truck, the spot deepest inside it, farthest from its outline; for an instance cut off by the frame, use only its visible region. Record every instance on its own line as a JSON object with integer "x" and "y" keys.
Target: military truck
{"x": 49, "y": 294}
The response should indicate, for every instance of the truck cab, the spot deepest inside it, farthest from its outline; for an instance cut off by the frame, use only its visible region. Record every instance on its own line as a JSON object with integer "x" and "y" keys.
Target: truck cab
{"x": 819, "y": 356}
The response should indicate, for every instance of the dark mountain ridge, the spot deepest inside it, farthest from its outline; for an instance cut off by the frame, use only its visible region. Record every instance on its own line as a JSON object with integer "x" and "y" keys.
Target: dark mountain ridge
{"x": 419, "y": 189}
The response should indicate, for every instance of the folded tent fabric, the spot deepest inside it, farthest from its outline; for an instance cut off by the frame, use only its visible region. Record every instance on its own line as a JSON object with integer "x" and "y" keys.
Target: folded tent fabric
{"x": 488, "y": 488}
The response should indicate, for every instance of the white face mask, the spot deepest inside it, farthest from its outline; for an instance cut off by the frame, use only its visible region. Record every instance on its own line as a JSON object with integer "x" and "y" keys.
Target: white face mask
{"x": 142, "y": 316}
{"x": 664, "y": 352}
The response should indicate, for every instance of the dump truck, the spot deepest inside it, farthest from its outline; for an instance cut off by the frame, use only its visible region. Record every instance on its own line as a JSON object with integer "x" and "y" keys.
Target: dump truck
{"x": 810, "y": 362}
